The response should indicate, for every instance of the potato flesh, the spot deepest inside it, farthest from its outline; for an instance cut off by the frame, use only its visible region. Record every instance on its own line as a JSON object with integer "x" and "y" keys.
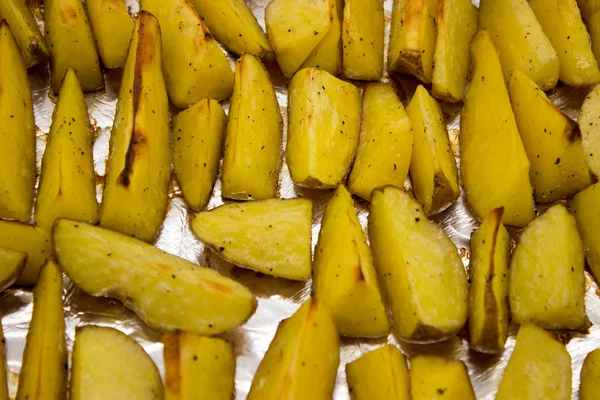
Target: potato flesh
{"x": 165, "y": 291}
{"x": 112, "y": 26}
{"x": 25, "y": 30}
{"x": 29, "y": 239}
{"x": 327, "y": 56}
{"x": 198, "y": 135}
{"x": 586, "y": 209}
{"x": 433, "y": 377}
{"x": 12, "y": 264}
{"x": 421, "y": 273}
{"x": 589, "y": 123}
{"x": 546, "y": 281}
{"x": 252, "y": 154}
{"x": 238, "y": 233}
{"x": 494, "y": 164}
{"x": 589, "y": 389}
{"x": 385, "y": 142}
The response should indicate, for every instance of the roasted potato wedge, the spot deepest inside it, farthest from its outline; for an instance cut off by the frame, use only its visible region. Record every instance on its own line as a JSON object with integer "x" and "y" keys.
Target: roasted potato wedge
{"x": 112, "y": 26}
{"x": 589, "y": 123}
{"x": 323, "y": 128}
{"x": 138, "y": 169}
{"x": 494, "y": 164}
{"x": 252, "y": 155}
{"x": 107, "y": 364}
{"x": 25, "y": 30}
{"x": 593, "y": 26}
{"x": 302, "y": 359}
{"x": 413, "y": 259}
{"x": 165, "y": 291}
{"x": 433, "y": 169}
{"x": 12, "y": 264}
{"x": 546, "y": 280}
{"x": 327, "y": 56}
{"x": 3, "y": 368}
{"x": 238, "y": 232}
{"x": 344, "y": 278}
{"x": 379, "y": 374}
{"x": 385, "y": 142}
{"x": 586, "y": 209}
{"x": 539, "y": 368}
{"x": 589, "y": 389}
{"x": 44, "y": 369}
{"x": 29, "y": 239}
{"x": 434, "y": 377}
{"x": 198, "y": 135}
{"x": 17, "y": 132}
{"x": 197, "y": 365}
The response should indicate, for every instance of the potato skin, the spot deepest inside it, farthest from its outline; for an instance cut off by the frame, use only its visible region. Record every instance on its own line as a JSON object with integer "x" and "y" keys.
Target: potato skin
{"x": 586, "y": 206}
{"x": 12, "y": 264}
{"x": 589, "y": 124}
{"x": 590, "y": 376}
{"x": 112, "y": 26}
{"x": 25, "y": 30}
{"x": 434, "y": 377}
{"x": 30, "y": 239}
{"x": 593, "y": 27}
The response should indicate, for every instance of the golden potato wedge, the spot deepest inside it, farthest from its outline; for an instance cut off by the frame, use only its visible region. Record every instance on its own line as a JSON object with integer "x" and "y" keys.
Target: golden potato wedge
{"x": 198, "y": 134}
{"x": 593, "y": 26}
{"x": 379, "y": 374}
{"x": 3, "y": 369}
{"x": 456, "y": 25}
{"x": 539, "y": 368}
{"x": 434, "y": 377}
{"x": 327, "y": 56}
{"x": 520, "y": 41}
{"x": 17, "y": 132}
{"x": 107, "y": 364}
{"x": 44, "y": 368}
{"x": 29, "y": 239}
{"x": 194, "y": 65}
{"x": 323, "y": 128}
{"x": 197, "y": 365}
{"x": 252, "y": 154}
{"x": 302, "y": 359}
{"x": 546, "y": 281}
{"x": 385, "y": 142}
{"x": 589, "y": 389}
{"x": 138, "y": 169}
{"x": 165, "y": 291}
{"x": 414, "y": 259}
{"x": 25, "y": 30}
{"x": 238, "y": 232}
{"x": 494, "y": 164}
{"x": 589, "y": 124}
{"x": 586, "y": 209}
{"x": 112, "y": 26}
{"x": 433, "y": 169}
{"x": 12, "y": 264}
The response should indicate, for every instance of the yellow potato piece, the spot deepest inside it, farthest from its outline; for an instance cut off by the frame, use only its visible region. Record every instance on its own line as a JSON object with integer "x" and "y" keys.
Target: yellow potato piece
{"x": 3, "y": 369}
{"x": 589, "y": 123}
{"x": 593, "y": 26}
{"x": 12, "y": 264}
{"x": 327, "y": 56}
{"x": 433, "y": 377}
{"x": 421, "y": 273}
{"x": 586, "y": 209}
{"x": 29, "y": 239}
{"x": 25, "y": 30}
{"x": 589, "y": 389}
{"x": 112, "y": 26}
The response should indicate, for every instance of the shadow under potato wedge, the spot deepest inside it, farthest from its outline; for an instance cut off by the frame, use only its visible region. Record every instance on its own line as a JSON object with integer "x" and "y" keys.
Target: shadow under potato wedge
{"x": 589, "y": 389}
{"x": 586, "y": 209}
{"x": 434, "y": 377}
{"x": 589, "y": 125}
{"x": 12, "y": 265}
{"x": 30, "y": 239}
{"x": 25, "y": 30}
{"x": 112, "y": 26}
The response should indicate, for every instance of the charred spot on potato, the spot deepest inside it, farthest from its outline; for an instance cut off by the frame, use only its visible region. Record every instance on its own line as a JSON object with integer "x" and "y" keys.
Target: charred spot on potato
{"x": 67, "y": 14}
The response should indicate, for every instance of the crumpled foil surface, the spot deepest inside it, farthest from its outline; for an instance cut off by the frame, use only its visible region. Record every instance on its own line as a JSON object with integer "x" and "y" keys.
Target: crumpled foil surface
{"x": 277, "y": 298}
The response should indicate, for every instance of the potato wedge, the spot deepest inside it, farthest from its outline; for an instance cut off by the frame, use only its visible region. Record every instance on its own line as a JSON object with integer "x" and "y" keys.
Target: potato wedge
{"x": 252, "y": 154}
{"x": 379, "y": 374}
{"x": 194, "y": 65}
{"x": 302, "y": 359}
{"x": 198, "y": 135}
{"x": 413, "y": 259}
{"x": 44, "y": 368}
{"x": 433, "y": 169}
{"x": 3, "y": 368}
{"x": 323, "y": 128}
{"x": 539, "y": 368}
{"x": 238, "y": 232}
{"x": 29, "y": 239}
{"x": 17, "y": 132}
{"x": 165, "y": 291}
{"x": 198, "y": 365}
{"x": 344, "y": 278}
{"x": 327, "y": 56}
{"x": 494, "y": 164}
{"x": 96, "y": 375}
{"x": 385, "y": 142}
{"x": 589, "y": 124}
{"x": 589, "y": 389}
{"x": 112, "y": 26}
{"x": 593, "y": 26}
{"x": 25, "y": 30}
{"x": 520, "y": 41}
{"x": 586, "y": 209}
{"x": 588, "y": 7}
{"x": 12, "y": 264}
{"x": 546, "y": 280}
{"x": 434, "y": 377}
{"x": 138, "y": 169}
{"x": 456, "y": 25}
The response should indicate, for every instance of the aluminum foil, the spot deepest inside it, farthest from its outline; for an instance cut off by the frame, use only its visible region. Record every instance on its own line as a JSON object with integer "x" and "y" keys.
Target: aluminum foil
{"x": 277, "y": 298}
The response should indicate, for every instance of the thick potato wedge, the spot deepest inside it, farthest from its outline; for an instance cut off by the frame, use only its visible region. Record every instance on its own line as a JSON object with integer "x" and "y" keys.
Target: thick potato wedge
{"x": 379, "y": 374}
{"x": 112, "y": 26}
{"x": 138, "y": 169}
{"x": 593, "y": 26}
{"x": 456, "y": 25}
{"x": 238, "y": 233}
{"x": 165, "y": 291}
{"x": 327, "y": 56}
{"x": 44, "y": 369}
{"x": 546, "y": 280}
{"x": 12, "y": 265}
{"x": 589, "y": 389}
{"x": 344, "y": 279}
{"x": 589, "y": 123}
{"x": 197, "y": 365}
{"x": 488, "y": 294}
{"x": 198, "y": 134}
{"x": 414, "y": 258}
{"x": 539, "y": 368}
{"x": 17, "y": 132}
{"x": 586, "y": 209}
{"x": 29, "y": 239}
{"x": 433, "y": 169}
{"x": 302, "y": 359}
{"x": 323, "y": 128}
{"x": 194, "y": 65}
{"x": 433, "y": 377}
{"x": 107, "y": 364}
{"x": 385, "y": 142}
{"x": 3, "y": 368}
{"x": 252, "y": 155}
{"x": 520, "y": 41}
{"x": 494, "y": 164}
{"x": 25, "y": 30}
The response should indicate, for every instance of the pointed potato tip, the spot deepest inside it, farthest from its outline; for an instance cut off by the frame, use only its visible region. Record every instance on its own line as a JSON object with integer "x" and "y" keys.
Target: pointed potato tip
{"x": 496, "y": 215}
